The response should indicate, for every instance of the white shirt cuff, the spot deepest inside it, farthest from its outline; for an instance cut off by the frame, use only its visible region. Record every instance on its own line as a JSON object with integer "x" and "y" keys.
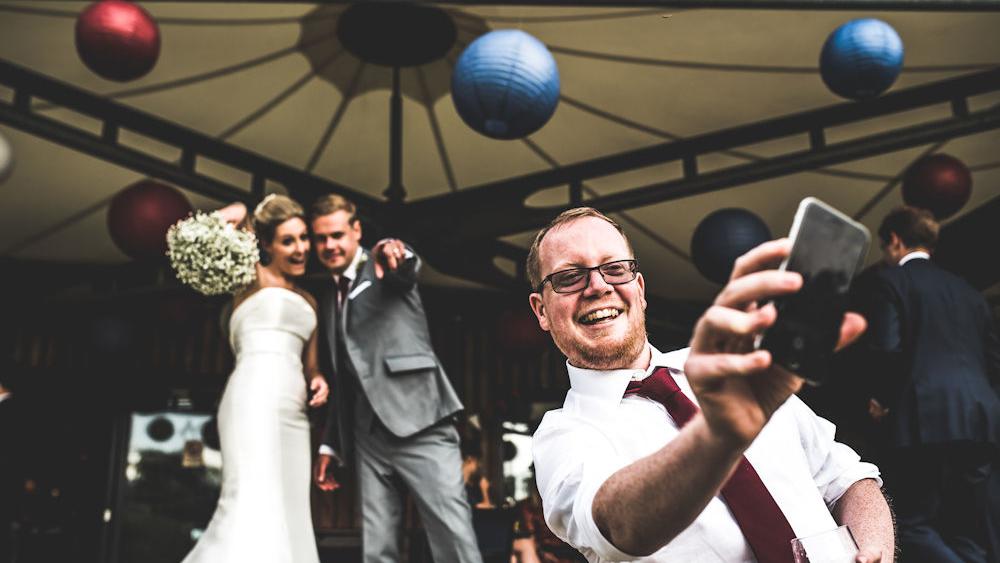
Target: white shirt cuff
{"x": 327, "y": 450}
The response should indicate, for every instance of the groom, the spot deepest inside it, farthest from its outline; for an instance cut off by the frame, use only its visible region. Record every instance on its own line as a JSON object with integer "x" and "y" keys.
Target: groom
{"x": 393, "y": 402}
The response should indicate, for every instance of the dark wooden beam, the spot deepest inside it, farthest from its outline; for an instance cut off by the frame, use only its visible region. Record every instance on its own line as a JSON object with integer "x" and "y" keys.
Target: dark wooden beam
{"x": 192, "y": 144}
{"x": 498, "y": 208}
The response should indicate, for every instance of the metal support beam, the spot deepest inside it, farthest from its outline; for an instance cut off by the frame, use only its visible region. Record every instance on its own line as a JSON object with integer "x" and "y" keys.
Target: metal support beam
{"x": 498, "y": 208}
{"x": 872, "y": 145}
{"x": 71, "y": 137}
{"x": 193, "y": 144}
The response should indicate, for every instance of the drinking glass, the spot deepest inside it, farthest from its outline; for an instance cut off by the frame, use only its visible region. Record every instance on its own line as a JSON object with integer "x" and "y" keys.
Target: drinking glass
{"x": 833, "y": 546}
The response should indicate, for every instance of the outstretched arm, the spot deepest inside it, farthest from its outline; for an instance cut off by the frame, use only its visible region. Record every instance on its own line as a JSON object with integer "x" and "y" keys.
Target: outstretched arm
{"x": 235, "y": 213}
{"x": 645, "y": 505}
{"x": 396, "y": 263}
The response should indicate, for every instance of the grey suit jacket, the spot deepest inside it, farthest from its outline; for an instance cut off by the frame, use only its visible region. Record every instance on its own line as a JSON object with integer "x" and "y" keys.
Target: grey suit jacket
{"x": 388, "y": 346}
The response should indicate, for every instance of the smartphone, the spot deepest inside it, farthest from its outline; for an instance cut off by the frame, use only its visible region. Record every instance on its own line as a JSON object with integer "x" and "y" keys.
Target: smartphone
{"x": 828, "y": 248}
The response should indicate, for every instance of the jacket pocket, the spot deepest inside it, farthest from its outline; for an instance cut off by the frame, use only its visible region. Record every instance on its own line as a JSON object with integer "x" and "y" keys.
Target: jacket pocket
{"x": 401, "y": 365}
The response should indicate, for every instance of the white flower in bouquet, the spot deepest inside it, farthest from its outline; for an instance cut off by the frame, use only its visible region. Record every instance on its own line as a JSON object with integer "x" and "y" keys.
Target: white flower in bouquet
{"x": 212, "y": 256}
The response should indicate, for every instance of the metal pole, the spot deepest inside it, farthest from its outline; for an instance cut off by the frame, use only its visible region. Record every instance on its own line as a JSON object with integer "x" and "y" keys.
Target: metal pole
{"x": 395, "y": 192}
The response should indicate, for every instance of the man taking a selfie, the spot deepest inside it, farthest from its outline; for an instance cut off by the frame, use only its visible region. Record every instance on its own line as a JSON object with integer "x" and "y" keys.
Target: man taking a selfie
{"x": 701, "y": 454}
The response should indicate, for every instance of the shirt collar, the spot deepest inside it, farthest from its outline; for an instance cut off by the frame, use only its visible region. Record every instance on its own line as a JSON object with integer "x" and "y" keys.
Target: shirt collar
{"x": 913, "y": 256}
{"x": 352, "y": 269}
{"x": 604, "y": 389}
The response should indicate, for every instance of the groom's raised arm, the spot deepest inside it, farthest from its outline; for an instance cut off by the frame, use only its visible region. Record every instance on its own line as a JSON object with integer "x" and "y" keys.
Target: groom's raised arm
{"x": 396, "y": 263}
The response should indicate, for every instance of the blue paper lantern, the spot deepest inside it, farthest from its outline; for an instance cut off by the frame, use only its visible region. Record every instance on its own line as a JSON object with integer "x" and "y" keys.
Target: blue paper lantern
{"x": 722, "y": 237}
{"x": 505, "y": 84}
{"x": 861, "y": 59}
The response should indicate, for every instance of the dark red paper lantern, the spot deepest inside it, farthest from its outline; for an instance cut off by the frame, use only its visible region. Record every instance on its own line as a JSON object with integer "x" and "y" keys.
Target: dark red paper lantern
{"x": 939, "y": 183}
{"x": 139, "y": 216}
{"x": 117, "y": 40}
{"x": 518, "y": 332}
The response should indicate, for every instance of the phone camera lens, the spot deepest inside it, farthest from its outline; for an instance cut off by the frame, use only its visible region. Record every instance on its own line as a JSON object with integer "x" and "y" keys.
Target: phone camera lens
{"x": 798, "y": 343}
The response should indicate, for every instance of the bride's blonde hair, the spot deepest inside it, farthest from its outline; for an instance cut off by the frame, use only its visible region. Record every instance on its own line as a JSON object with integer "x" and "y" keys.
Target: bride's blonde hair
{"x": 272, "y": 211}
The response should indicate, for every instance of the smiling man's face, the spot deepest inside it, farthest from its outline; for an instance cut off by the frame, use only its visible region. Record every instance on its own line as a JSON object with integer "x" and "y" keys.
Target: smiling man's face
{"x": 602, "y": 326}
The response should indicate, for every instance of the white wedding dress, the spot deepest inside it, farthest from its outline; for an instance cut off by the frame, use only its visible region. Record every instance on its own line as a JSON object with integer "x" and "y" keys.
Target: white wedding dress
{"x": 263, "y": 512}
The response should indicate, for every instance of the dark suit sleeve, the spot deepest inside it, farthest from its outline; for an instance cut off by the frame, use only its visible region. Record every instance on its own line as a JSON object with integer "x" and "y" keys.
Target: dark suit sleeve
{"x": 330, "y": 435}
{"x": 882, "y": 345}
{"x": 405, "y": 276}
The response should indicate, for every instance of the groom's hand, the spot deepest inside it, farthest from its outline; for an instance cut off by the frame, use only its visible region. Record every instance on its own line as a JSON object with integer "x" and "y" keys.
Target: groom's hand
{"x": 323, "y": 473}
{"x": 389, "y": 253}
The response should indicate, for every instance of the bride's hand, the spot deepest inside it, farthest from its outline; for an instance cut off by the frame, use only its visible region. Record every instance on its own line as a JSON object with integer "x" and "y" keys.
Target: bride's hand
{"x": 320, "y": 391}
{"x": 234, "y": 213}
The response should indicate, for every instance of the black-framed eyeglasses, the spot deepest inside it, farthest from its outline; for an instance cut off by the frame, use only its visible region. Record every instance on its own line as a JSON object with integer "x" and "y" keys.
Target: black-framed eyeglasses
{"x": 576, "y": 279}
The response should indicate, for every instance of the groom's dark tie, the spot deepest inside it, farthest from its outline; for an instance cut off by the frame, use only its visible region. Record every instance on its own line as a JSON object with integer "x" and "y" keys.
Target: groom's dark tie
{"x": 343, "y": 286}
{"x": 759, "y": 517}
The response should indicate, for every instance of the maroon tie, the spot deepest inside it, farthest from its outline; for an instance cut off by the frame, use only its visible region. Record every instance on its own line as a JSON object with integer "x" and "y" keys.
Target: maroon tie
{"x": 343, "y": 285}
{"x": 759, "y": 517}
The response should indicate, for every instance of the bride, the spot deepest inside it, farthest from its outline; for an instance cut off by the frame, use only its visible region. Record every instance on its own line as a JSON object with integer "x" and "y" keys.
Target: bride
{"x": 263, "y": 512}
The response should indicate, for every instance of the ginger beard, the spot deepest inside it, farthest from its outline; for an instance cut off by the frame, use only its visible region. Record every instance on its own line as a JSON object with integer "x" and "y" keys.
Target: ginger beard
{"x": 607, "y": 350}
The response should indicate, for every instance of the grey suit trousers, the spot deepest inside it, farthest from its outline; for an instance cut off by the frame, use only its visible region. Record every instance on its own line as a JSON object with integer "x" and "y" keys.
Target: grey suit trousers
{"x": 427, "y": 464}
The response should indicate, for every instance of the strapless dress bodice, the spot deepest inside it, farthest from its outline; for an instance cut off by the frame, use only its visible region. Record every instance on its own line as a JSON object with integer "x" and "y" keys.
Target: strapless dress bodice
{"x": 273, "y": 320}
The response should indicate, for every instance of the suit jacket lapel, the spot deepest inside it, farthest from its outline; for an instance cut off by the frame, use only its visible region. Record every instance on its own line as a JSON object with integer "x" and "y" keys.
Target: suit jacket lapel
{"x": 366, "y": 272}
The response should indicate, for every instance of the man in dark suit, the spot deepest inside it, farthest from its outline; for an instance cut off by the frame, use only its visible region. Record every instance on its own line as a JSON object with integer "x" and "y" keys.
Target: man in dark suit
{"x": 393, "y": 404}
{"x": 932, "y": 362}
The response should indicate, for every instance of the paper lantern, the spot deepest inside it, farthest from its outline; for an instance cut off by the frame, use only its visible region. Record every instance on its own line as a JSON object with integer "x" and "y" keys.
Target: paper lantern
{"x": 861, "y": 59}
{"x": 722, "y": 237}
{"x": 139, "y": 216}
{"x": 939, "y": 183}
{"x": 117, "y": 40}
{"x": 505, "y": 84}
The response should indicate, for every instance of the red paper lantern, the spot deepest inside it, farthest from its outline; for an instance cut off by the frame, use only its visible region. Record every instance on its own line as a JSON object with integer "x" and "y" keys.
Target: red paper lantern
{"x": 518, "y": 332}
{"x": 139, "y": 216}
{"x": 117, "y": 40}
{"x": 938, "y": 183}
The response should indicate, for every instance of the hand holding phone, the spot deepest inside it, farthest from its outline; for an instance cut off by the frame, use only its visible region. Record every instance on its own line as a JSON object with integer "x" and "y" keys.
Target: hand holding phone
{"x": 827, "y": 249}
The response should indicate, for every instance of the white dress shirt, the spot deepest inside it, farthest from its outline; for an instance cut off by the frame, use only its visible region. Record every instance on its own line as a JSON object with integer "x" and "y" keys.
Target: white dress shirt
{"x": 914, "y": 255}
{"x": 598, "y": 432}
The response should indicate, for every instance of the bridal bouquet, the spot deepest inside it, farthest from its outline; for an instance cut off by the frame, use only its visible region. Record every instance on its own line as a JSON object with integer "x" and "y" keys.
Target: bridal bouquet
{"x": 212, "y": 256}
